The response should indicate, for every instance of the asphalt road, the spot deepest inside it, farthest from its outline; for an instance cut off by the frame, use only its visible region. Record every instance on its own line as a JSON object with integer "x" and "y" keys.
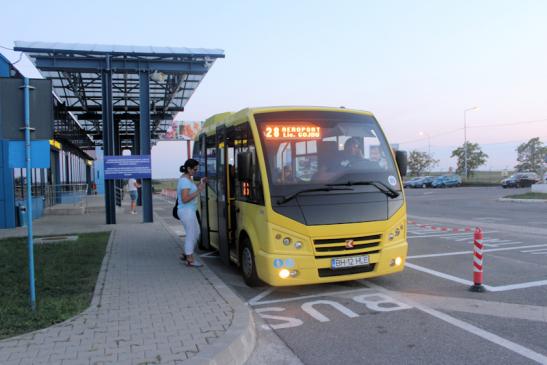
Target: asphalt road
{"x": 426, "y": 314}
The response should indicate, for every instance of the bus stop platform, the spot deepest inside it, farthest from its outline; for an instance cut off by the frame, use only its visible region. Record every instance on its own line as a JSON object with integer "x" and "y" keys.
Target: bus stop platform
{"x": 147, "y": 308}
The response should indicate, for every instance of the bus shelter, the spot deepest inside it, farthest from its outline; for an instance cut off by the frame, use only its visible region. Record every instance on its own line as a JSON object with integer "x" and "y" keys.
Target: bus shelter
{"x": 118, "y": 97}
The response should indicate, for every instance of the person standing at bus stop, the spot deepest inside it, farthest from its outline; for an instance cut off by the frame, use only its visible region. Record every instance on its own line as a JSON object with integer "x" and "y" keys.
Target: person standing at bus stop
{"x": 133, "y": 187}
{"x": 187, "y": 194}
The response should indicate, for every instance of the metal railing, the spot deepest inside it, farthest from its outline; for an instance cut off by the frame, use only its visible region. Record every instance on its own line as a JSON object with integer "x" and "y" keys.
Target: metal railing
{"x": 75, "y": 194}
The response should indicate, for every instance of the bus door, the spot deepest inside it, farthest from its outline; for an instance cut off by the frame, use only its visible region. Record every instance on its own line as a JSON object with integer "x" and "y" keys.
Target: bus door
{"x": 222, "y": 198}
{"x": 204, "y": 216}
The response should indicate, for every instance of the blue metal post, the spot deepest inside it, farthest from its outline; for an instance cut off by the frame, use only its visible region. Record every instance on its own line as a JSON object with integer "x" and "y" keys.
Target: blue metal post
{"x": 29, "y": 195}
{"x": 144, "y": 128}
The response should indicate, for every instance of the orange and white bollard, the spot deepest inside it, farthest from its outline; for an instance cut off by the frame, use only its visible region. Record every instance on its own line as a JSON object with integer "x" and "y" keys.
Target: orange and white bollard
{"x": 477, "y": 261}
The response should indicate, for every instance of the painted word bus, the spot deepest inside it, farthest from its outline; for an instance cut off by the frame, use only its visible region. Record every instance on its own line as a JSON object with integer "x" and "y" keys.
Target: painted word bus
{"x": 302, "y": 195}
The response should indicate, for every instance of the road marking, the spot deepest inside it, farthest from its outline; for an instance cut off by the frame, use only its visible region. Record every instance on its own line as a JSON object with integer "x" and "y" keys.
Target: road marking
{"x": 442, "y": 235}
{"x": 467, "y": 235}
{"x": 530, "y": 284}
{"x": 442, "y": 275}
{"x": 489, "y": 219}
{"x": 257, "y": 298}
{"x": 469, "y": 252}
{"x": 503, "y": 243}
{"x": 541, "y": 251}
{"x": 308, "y": 308}
{"x": 478, "y": 306}
{"x": 511, "y": 346}
{"x": 439, "y": 274}
{"x": 323, "y": 294}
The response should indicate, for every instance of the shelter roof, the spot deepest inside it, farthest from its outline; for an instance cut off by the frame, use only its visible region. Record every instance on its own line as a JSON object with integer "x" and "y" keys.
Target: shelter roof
{"x": 76, "y": 73}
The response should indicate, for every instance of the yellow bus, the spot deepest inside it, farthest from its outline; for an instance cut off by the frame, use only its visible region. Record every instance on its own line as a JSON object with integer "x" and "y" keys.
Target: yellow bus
{"x": 302, "y": 195}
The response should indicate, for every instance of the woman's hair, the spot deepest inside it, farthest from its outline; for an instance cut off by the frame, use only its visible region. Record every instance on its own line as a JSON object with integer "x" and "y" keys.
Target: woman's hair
{"x": 189, "y": 164}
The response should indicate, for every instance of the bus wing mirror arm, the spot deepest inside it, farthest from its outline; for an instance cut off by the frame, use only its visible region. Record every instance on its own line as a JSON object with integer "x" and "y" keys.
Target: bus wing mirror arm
{"x": 402, "y": 161}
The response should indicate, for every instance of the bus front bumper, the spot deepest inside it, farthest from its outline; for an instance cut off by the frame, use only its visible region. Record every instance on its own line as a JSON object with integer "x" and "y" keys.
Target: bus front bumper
{"x": 286, "y": 270}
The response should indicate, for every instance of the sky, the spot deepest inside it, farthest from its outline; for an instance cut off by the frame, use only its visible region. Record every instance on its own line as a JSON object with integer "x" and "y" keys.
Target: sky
{"x": 417, "y": 65}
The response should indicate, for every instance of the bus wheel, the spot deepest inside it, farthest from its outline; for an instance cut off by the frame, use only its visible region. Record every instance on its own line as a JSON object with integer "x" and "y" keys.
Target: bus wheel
{"x": 248, "y": 265}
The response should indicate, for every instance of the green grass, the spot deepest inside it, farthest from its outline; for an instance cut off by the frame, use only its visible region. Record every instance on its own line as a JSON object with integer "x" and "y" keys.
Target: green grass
{"x": 528, "y": 196}
{"x": 164, "y": 184}
{"x": 65, "y": 275}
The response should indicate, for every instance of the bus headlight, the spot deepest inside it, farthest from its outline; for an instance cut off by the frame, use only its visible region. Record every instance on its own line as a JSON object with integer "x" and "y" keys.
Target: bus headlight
{"x": 286, "y": 241}
{"x": 284, "y": 273}
{"x": 298, "y": 245}
{"x": 396, "y": 261}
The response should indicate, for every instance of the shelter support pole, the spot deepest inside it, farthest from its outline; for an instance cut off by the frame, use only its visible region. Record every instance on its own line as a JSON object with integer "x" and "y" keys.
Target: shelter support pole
{"x": 108, "y": 141}
{"x": 135, "y": 151}
{"x": 144, "y": 105}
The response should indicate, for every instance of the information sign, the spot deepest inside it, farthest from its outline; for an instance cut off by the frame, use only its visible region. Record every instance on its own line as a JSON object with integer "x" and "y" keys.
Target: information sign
{"x": 125, "y": 167}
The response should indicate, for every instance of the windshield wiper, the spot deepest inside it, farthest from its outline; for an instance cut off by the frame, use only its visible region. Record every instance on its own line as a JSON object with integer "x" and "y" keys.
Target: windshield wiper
{"x": 377, "y": 184}
{"x": 285, "y": 199}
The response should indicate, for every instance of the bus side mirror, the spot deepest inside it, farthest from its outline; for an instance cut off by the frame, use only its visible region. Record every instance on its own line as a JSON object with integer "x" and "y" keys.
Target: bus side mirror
{"x": 244, "y": 161}
{"x": 402, "y": 161}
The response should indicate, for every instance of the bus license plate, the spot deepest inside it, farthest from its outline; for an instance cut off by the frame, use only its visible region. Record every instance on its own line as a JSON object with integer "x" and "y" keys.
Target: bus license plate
{"x": 341, "y": 262}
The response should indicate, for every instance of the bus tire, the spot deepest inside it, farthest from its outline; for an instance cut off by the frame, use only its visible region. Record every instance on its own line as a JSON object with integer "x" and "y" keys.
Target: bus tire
{"x": 248, "y": 264}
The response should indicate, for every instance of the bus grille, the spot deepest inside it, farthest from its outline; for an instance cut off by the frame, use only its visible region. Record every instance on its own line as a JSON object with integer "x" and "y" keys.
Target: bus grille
{"x": 336, "y": 247}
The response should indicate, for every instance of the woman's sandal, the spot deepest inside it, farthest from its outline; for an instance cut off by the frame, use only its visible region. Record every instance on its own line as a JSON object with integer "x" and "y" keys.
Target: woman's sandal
{"x": 183, "y": 257}
{"x": 194, "y": 263}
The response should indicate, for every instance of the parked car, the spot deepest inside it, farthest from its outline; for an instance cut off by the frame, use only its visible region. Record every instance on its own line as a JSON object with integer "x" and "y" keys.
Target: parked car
{"x": 421, "y": 182}
{"x": 408, "y": 183}
{"x": 446, "y": 181}
{"x": 520, "y": 180}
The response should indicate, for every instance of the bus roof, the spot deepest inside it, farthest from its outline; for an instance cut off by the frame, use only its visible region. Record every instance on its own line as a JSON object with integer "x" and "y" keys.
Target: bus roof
{"x": 231, "y": 119}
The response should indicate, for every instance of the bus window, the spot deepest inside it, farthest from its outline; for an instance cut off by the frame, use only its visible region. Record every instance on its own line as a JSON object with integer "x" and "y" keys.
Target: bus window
{"x": 211, "y": 163}
{"x": 249, "y": 191}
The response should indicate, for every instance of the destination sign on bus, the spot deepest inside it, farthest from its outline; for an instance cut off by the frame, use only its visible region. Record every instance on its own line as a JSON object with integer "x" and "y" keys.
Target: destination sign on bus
{"x": 292, "y": 132}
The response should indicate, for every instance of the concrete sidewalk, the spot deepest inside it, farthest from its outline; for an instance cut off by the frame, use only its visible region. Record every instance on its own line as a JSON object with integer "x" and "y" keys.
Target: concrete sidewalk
{"x": 148, "y": 308}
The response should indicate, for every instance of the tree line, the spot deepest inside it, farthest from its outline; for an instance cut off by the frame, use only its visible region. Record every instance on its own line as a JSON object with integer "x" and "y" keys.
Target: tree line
{"x": 530, "y": 157}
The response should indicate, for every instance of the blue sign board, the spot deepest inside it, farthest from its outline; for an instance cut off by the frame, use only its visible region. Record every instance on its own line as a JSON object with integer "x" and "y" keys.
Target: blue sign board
{"x": 39, "y": 154}
{"x": 125, "y": 167}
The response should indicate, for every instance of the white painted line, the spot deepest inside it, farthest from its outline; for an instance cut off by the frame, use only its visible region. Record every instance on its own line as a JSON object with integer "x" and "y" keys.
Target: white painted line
{"x": 500, "y": 341}
{"x": 468, "y": 235}
{"x": 257, "y": 298}
{"x": 531, "y": 284}
{"x": 442, "y": 275}
{"x": 439, "y": 274}
{"x": 439, "y": 255}
{"x": 469, "y": 252}
{"x": 540, "y": 250}
{"x": 504, "y": 243}
{"x": 323, "y": 294}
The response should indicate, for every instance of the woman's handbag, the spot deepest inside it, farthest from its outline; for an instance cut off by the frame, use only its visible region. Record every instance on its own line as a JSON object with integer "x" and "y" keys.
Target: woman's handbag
{"x": 176, "y": 210}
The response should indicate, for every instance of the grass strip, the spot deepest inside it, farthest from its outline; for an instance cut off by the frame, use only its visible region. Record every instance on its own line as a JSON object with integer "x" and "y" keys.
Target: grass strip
{"x": 65, "y": 274}
{"x": 528, "y": 195}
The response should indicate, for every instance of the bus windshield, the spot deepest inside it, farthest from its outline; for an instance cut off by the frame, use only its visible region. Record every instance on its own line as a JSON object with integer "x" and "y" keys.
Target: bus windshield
{"x": 318, "y": 148}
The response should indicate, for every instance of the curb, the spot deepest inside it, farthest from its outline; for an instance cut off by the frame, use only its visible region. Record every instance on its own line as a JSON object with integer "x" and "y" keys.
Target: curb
{"x": 238, "y": 343}
{"x": 522, "y": 200}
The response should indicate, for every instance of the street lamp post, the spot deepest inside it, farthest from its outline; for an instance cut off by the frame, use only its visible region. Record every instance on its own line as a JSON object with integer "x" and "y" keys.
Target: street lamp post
{"x": 465, "y": 138}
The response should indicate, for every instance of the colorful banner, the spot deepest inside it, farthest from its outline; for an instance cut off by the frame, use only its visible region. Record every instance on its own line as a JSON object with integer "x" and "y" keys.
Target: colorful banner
{"x": 181, "y": 130}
